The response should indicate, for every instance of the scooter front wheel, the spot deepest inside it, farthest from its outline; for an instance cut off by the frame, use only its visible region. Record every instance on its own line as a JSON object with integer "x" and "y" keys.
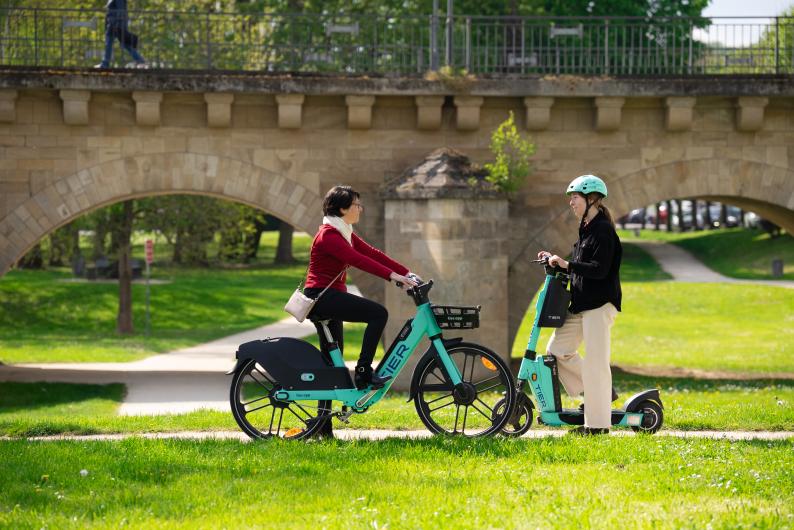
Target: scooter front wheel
{"x": 479, "y": 406}
{"x": 260, "y": 415}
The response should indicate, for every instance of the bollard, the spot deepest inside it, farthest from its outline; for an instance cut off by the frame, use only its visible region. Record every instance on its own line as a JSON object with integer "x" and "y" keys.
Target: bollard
{"x": 777, "y": 268}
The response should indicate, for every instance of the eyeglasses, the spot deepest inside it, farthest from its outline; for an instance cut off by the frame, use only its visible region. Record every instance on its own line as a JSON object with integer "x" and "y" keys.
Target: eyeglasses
{"x": 358, "y": 205}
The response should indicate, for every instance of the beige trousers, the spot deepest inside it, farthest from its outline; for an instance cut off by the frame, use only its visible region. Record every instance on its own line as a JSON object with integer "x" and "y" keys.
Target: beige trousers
{"x": 592, "y": 374}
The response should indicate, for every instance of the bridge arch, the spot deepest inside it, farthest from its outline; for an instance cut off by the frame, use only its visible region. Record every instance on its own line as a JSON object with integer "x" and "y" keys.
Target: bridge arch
{"x": 154, "y": 174}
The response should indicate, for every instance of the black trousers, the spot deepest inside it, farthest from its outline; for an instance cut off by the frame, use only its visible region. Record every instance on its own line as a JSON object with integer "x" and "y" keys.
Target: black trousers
{"x": 339, "y": 307}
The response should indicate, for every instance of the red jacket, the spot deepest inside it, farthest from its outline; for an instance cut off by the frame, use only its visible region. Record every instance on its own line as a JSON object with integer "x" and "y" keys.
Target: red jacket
{"x": 330, "y": 254}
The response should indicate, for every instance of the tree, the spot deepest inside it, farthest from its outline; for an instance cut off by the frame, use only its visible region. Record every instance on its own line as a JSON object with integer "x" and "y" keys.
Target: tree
{"x": 284, "y": 250}
{"x": 122, "y": 216}
{"x": 512, "y": 152}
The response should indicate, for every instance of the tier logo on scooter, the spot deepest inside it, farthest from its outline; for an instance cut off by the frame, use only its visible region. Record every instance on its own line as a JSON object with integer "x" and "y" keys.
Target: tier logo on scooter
{"x": 395, "y": 359}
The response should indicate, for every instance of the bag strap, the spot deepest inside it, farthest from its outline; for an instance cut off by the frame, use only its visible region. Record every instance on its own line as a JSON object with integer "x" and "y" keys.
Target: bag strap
{"x": 330, "y": 284}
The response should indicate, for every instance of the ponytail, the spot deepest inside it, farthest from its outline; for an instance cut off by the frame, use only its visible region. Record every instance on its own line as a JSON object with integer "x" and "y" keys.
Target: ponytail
{"x": 607, "y": 214}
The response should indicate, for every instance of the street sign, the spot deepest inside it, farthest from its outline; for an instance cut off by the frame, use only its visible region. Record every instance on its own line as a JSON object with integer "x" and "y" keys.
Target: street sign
{"x": 149, "y": 251}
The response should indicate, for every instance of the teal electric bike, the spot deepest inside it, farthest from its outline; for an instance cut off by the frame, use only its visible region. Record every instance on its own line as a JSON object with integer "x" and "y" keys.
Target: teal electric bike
{"x": 287, "y": 388}
{"x": 643, "y": 412}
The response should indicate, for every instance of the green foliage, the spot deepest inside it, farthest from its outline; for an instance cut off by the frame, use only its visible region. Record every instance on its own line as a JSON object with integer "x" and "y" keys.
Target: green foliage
{"x": 512, "y": 153}
{"x": 34, "y": 409}
{"x": 692, "y": 325}
{"x": 47, "y": 317}
{"x": 645, "y": 482}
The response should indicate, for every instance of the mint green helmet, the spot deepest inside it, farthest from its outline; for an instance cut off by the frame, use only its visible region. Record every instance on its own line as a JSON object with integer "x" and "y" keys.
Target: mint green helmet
{"x": 587, "y": 184}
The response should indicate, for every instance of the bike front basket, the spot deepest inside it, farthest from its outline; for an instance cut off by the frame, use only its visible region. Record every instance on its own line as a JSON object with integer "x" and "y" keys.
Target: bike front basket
{"x": 457, "y": 317}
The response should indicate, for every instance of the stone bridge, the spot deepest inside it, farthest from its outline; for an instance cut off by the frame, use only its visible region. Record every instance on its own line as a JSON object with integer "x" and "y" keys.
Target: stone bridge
{"x": 75, "y": 140}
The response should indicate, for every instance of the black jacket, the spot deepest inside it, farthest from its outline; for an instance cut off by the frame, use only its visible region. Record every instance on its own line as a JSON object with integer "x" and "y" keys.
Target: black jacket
{"x": 116, "y": 13}
{"x": 595, "y": 266}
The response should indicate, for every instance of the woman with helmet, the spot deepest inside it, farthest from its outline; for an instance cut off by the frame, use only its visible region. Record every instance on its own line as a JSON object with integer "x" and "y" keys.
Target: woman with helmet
{"x": 595, "y": 301}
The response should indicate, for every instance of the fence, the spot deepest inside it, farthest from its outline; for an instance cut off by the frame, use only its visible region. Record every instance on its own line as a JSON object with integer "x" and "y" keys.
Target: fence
{"x": 406, "y": 45}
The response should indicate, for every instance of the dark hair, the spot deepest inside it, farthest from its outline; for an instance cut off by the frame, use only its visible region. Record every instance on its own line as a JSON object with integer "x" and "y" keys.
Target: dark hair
{"x": 337, "y": 198}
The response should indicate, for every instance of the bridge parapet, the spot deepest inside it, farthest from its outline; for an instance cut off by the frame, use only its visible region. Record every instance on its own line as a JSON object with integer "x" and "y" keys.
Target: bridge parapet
{"x": 408, "y": 45}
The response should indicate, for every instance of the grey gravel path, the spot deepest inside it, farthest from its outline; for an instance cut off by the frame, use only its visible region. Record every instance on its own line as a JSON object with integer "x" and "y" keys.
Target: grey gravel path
{"x": 684, "y": 267}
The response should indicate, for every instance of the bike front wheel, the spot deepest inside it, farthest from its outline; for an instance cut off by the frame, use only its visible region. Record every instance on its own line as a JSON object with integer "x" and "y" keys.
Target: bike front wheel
{"x": 479, "y": 406}
{"x": 260, "y": 415}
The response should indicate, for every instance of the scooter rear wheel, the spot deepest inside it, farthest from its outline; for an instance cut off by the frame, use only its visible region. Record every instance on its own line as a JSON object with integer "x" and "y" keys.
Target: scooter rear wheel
{"x": 653, "y": 417}
{"x": 471, "y": 408}
{"x": 260, "y": 415}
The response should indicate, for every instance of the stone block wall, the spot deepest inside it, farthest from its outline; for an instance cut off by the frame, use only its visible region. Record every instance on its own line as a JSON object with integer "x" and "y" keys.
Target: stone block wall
{"x": 462, "y": 245}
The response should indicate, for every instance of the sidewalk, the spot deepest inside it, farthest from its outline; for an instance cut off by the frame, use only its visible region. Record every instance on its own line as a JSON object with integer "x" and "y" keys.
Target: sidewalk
{"x": 684, "y": 267}
{"x": 372, "y": 434}
{"x": 168, "y": 383}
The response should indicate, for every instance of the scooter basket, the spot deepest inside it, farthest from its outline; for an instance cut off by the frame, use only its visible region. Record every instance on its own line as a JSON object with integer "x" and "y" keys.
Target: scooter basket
{"x": 555, "y": 305}
{"x": 457, "y": 317}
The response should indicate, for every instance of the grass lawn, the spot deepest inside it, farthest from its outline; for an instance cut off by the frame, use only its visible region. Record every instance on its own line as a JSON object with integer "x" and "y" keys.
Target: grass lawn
{"x": 640, "y": 482}
{"x": 33, "y": 409}
{"x": 741, "y": 328}
{"x": 734, "y": 252}
{"x": 46, "y": 320}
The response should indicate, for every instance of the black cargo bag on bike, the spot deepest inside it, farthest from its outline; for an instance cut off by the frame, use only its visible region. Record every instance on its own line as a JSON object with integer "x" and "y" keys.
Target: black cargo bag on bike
{"x": 555, "y": 305}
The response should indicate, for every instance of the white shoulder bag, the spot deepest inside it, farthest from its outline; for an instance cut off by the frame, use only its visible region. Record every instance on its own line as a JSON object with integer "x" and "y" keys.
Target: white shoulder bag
{"x": 299, "y": 305}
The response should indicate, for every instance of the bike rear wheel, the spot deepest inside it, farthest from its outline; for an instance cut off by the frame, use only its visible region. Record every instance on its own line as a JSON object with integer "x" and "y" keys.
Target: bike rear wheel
{"x": 260, "y": 415}
{"x": 479, "y": 406}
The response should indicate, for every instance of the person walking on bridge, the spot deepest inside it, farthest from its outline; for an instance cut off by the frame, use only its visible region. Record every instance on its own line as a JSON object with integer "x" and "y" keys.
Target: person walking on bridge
{"x": 116, "y": 27}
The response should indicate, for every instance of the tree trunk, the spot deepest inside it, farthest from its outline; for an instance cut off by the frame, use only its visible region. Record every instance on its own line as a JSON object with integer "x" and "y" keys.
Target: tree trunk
{"x": 669, "y": 216}
{"x": 177, "y": 255}
{"x": 707, "y": 217}
{"x": 724, "y": 216}
{"x": 100, "y": 231}
{"x": 284, "y": 250}
{"x": 680, "y": 205}
{"x": 656, "y": 219}
{"x": 123, "y": 236}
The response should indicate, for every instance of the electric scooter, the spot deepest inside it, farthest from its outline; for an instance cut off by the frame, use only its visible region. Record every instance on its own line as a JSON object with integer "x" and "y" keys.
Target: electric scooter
{"x": 285, "y": 387}
{"x": 643, "y": 412}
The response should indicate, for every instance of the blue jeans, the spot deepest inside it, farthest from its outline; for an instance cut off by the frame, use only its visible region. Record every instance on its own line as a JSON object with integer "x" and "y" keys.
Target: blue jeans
{"x": 109, "y": 49}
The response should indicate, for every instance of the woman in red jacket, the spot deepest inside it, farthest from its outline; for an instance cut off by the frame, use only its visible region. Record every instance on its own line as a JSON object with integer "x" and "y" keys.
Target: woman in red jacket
{"x": 335, "y": 247}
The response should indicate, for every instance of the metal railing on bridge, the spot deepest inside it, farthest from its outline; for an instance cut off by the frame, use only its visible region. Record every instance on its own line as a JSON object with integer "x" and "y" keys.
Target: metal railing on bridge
{"x": 407, "y": 45}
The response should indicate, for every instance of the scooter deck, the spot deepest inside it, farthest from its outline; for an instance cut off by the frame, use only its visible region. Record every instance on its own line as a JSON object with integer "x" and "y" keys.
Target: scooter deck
{"x": 576, "y": 417}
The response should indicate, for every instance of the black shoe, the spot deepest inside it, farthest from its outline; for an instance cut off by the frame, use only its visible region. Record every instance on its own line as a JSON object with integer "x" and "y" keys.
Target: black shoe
{"x": 587, "y": 431}
{"x": 365, "y": 378}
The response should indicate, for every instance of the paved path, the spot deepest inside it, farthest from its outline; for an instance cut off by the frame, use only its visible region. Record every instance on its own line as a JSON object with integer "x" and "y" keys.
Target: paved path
{"x": 169, "y": 383}
{"x": 367, "y": 434}
{"x": 684, "y": 267}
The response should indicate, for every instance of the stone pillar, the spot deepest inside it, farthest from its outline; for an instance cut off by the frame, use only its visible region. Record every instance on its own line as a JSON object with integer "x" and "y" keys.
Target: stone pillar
{"x": 359, "y": 111}
{"x": 147, "y": 107}
{"x": 428, "y": 112}
{"x": 538, "y": 112}
{"x": 290, "y": 110}
{"x": 679, "y": 113}
{"x": 460, "y": 242}
{"x": 750, "y": 113}
{"x": 75, "y": 106}
{"x": 219, "y": 108}
{"x": 8, "y": 105}
{"x": 468, "y": 112}
{"x": 608, "y": 113}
